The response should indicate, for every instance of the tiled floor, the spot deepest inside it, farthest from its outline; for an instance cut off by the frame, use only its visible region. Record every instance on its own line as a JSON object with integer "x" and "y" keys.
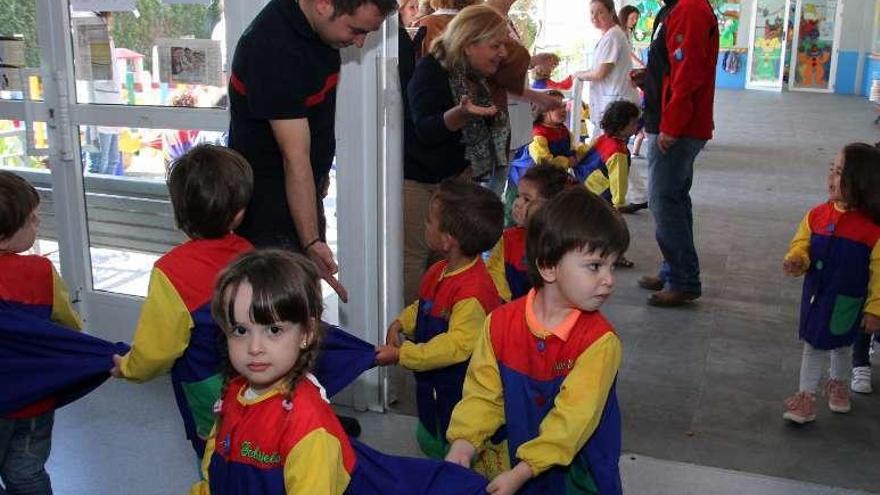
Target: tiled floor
{"x": 701, "y": 388}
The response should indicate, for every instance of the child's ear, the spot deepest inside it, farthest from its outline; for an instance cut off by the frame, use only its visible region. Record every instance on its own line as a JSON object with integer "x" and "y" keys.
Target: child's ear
{"x": 237, "y": 219}
{"x": 447, "y": 242}
{"x": 547, "y": 273}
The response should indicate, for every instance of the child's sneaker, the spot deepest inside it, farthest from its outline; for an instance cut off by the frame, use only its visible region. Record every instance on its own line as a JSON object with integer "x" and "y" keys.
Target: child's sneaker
{"x": 838, "y": 396}
{"x": 800, "y": 408}
{"x": 861, "y": 380}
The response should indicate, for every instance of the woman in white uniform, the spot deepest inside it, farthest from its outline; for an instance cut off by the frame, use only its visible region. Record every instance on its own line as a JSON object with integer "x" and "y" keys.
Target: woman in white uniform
{"x": 609, "y": 76}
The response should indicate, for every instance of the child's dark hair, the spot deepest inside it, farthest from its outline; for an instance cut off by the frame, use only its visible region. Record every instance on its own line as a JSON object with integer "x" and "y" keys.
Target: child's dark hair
{"x": 209, "y": 185}
{"x": 860, "y": 179}
{"x": 537, "y": 114}
{"x": 575, "y": 219}
{"x": 18, "y": 199}
{"x": 286, "y": 287}
{"x": 618, "y": 115}
{"x": 549, "y": 180}
{"x": 472, "y": 214}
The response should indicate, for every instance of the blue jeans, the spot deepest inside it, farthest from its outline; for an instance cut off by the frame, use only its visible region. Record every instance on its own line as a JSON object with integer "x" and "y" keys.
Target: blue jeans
{"x": 107, "y": 159}
{"x": 24, "y": 450}
{"x": 670, "y": 177}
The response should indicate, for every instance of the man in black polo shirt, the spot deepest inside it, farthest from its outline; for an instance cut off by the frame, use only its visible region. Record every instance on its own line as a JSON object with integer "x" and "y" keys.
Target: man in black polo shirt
{"x": 282, "y": 94}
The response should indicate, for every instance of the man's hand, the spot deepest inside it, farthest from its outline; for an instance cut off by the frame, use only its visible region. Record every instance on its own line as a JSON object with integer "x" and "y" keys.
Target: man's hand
{"x": 665, "y": 142}
{"x": 116, "y": 372}
{"x": 461, "y": 452}
{"x": 387, "y": 354}
{"x": 508, "y": 482}
{"x": 321, "y": 254}
{"x": 871, "y": 323}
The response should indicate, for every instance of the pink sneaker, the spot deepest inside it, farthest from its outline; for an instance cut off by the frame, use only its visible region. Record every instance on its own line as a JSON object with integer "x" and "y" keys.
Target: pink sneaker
{"x": 838, "y": 396}
{"x": 800, "y": 408}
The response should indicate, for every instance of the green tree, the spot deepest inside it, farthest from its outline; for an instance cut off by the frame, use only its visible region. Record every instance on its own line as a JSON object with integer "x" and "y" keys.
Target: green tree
{"x": 156, "y": 20}
{"x": 19, "y": 18}
{"x": 524, "y": 15}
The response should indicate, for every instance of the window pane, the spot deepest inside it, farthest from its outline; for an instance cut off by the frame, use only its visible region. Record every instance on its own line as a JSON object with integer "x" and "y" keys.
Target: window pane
{"x": 130, "y": 219}
{"x": 158, "y": 54}
{"x": 19, "y": 50}
{"x": 14, "y": 157}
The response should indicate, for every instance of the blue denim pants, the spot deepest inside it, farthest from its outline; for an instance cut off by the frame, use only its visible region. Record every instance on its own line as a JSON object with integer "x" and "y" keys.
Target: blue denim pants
{"x": 670, "y": 176}
{"x": 24, "y": 450}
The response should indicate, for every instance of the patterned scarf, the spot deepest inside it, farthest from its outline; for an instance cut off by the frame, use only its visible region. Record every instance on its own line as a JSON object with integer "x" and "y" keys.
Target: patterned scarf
{"x": 485, "y": 140}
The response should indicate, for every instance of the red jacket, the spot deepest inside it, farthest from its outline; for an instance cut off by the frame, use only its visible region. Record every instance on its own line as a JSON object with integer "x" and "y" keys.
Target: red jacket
{"x": 686, "y": 45}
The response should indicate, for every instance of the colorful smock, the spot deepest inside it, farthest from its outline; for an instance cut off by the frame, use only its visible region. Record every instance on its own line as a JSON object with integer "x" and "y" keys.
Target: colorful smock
{"x": 550, "y": 394}
{"x": 605, "y": 168}
{"x": 507, "y": 264}
{"x": 842, "y": 281}
{"x": 176, "y": 330}
{"x": 444, "y": 325}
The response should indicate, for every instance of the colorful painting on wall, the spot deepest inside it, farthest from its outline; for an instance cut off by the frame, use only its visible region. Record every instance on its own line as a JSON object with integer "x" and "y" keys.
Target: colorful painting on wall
{"x": 814, "y": 44}
{"x": 727, "y": 12}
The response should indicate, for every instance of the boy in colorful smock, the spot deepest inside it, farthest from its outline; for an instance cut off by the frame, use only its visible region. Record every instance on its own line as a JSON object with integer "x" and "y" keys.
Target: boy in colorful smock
{"x": 456, "y": 294}
{"x": 210, "y": 186}
{"x": 31, "y": 285}
{"x": 542, "y": 376}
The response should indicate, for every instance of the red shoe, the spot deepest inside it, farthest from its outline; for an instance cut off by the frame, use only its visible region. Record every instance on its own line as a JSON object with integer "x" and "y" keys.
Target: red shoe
{"x": 838, "y": 396}
{"x": 800, "y": 408}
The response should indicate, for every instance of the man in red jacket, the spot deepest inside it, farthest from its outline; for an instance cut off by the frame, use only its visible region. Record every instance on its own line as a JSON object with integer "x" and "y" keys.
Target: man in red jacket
{"x": 679, "y": 88}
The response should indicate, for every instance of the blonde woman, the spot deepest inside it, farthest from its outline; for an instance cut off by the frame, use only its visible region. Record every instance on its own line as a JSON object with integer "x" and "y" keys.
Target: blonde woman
{"x": 452, "y": 126}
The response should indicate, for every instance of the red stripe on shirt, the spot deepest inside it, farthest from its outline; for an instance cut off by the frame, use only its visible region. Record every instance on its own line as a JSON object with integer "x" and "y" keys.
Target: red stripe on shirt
{"x": 329, "y": 84}
{"x": 238, "y": 85}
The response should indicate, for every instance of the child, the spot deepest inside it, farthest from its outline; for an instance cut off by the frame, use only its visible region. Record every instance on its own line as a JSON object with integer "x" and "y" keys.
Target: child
{"x": 275, "y": 432}
{"x": 836, "y": 248}
{"x": 605, "y": 168}
{"x": 210, "y": 186}
{"x": 456, "y": 294}
{"x": 551, "y": 145}
{"x": 543, "y": 65}
{"x": 507, "y": 262}
{"x": 29, "y": 284}
{"x": 543, "y": 372}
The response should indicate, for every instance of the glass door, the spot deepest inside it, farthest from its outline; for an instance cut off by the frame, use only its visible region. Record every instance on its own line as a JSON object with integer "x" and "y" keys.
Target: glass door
{"x": 814, "y": 48}
{"x": 766, "y": 45}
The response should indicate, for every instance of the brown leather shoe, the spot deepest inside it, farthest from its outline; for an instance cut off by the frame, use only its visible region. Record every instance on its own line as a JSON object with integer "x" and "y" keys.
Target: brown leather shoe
{"x": 670, "y": 298}
{"x": 650, "y": 282}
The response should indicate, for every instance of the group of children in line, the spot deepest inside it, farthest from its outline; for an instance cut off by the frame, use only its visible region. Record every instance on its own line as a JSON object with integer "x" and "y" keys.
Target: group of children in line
{"x": 257, "y": 417}
{"x": 515, "y": 365}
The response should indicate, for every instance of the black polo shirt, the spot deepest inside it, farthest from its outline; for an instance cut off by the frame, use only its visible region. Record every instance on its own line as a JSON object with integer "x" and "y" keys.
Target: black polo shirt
{"x": 280, "y": 70}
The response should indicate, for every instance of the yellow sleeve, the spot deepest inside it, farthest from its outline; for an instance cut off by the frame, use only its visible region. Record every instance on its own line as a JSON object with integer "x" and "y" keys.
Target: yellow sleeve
{"x": 453, "y": 346}
{"x": 202, "y": 487}
{"x": 408, "y": 317}
{"x": 63, "y": 312}
{"x": 314, "y": 465}
{"x": 481, "y": 409}
{"x": 872, "y": 304}
{"x": 800, "y": 244}
{"x": 577, "y": 408}
{"x": 539, "y": 150}
{"x": 618, "y": 174}
{"x": 495, "y": 265}
{"x": 162, "y": 333}
{"x": 581, "y": 151}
